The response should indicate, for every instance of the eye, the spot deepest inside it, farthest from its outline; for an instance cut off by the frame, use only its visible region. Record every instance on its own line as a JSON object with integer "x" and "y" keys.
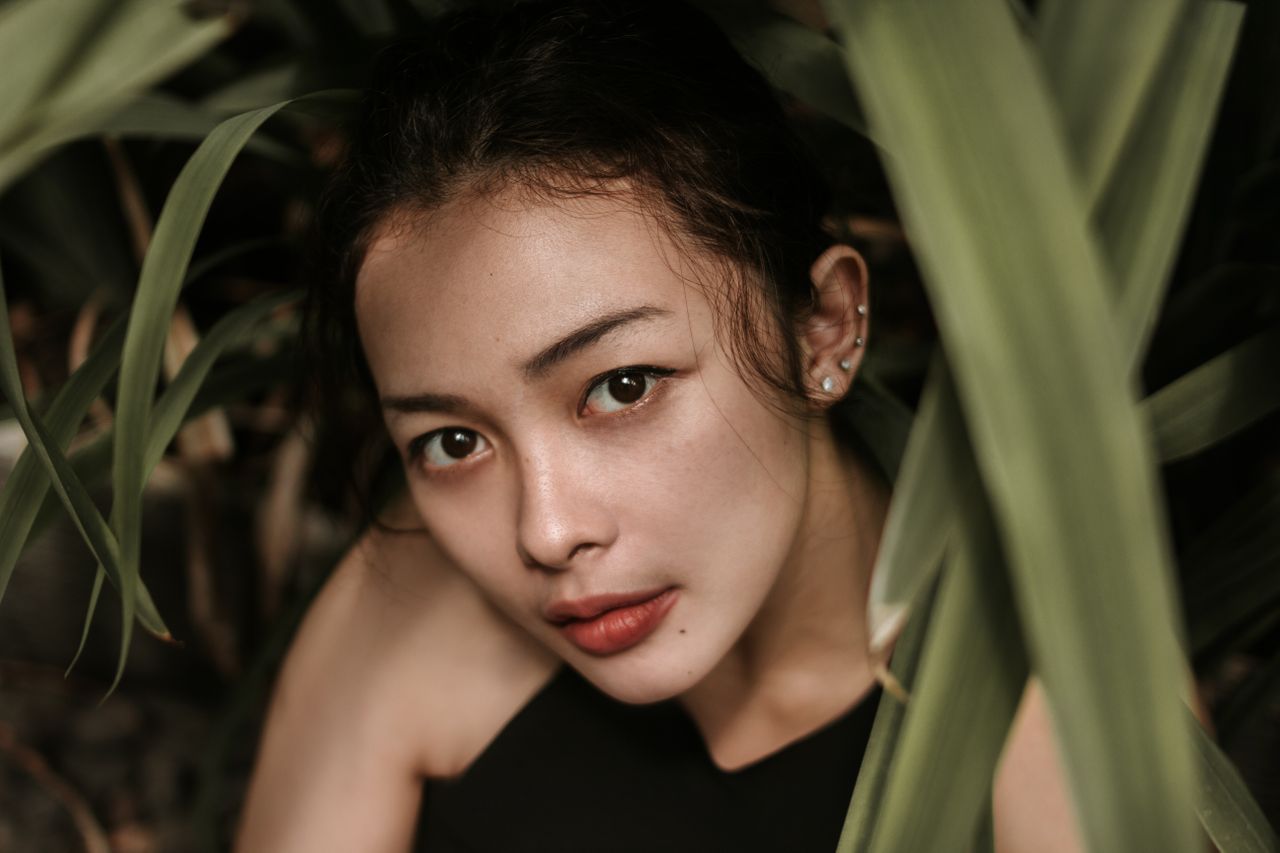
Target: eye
{"x": 623, "y": 388}
{"x": 446, "y": 447}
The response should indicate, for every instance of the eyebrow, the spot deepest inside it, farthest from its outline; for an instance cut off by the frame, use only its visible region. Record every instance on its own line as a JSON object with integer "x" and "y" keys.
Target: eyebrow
{"x": 586, "y": 335}
{"x": 537, "y": 366}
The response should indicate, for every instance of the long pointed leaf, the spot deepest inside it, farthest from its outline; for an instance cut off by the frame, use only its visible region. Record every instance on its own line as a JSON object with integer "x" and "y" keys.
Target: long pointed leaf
{"x": 174, "y": 405}
{"x": 92, "y": 527}
{"x": 27, "y": 484}
{"x": 1144, "y": 208}
{"x": 1226, "y": 809}
{"x": 163, "y": 272}
{"x": 922, "y": 511}
{"x": 971, "y": 677}
{"x": 868, "y": 791}
{"x": 1218, "y": 399}
{"x": 974, "y": 157}
{"x": 143, "y": 41}
{"x": 1092, "y": 47}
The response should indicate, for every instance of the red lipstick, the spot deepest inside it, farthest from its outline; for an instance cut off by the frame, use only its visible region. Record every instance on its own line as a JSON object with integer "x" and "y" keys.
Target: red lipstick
{"x": 608, "y": 624}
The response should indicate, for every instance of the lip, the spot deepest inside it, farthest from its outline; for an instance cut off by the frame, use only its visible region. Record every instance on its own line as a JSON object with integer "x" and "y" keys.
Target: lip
{"x": 608, "y": 624}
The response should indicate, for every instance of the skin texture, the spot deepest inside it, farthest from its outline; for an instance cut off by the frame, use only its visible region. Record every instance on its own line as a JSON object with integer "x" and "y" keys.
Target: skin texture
{"x": 702, "y": 484}
{"x": 422, "y": 646}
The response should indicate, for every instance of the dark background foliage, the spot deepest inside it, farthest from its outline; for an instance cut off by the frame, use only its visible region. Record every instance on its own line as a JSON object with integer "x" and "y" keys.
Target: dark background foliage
{"x": 239, "y": 533}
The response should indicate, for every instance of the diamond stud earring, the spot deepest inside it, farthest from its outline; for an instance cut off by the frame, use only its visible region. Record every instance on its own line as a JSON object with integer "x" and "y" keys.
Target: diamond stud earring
{"x": 828, "y": 384}
{"x": 846, "y": 364}
{"x": 858, "y": 341}
{"x": 862, "y": 310}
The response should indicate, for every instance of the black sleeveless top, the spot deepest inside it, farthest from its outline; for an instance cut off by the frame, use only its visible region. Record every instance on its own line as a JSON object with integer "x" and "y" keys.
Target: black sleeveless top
{"x": 575, "y": 770}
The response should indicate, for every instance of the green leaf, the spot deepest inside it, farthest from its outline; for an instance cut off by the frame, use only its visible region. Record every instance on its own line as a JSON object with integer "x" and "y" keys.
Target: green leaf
{"x": 971, "y": 678}
{"x": 880, "y": 421}
{"x": 868, "y": 791}
{"x": 1231, "y": 570}
{"x": 987, "y": 191}
{"x": 1226, "y": 808}
{"x": 1218, "y": 399}
{"x": 1140, "y": 217}
{"x": 229, "y": 383}
{"x": 1144, "y": 208}
{"x": 922, "y": 512}
{"x": 25, "y": 488}
{"x": 1100, "y": 59}
{"x": 794, "y": 58}
{"x": 92, "y": 527}
{"x": 163, "y": 272}
{"x": 38, "y": 40}
{"x": 172, "y": 408}
{"x": 141, "y": 42}
{"x": 156, "y": 115}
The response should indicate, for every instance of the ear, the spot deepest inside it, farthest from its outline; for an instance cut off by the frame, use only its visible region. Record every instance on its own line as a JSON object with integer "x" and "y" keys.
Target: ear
{"x": 833, "y": 338}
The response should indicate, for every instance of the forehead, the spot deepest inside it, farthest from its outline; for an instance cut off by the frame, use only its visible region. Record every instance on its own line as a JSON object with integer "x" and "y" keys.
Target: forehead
{"x": 504, "y": 274}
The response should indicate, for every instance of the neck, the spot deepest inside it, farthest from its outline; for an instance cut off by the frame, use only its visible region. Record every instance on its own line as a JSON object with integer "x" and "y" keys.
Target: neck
{"x": 803, "y": 660}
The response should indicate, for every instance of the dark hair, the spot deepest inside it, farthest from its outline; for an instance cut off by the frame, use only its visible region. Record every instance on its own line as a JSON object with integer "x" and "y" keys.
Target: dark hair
{"x": 569, "y": 98}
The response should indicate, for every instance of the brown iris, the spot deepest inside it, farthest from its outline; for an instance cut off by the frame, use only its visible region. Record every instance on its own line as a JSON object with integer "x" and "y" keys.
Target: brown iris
{"x": 627, "y": 387}
{"x": 458, "y": 443}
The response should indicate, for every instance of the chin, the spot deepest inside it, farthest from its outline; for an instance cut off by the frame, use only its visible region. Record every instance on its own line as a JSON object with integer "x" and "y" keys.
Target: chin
{"x": 642, "y": 676}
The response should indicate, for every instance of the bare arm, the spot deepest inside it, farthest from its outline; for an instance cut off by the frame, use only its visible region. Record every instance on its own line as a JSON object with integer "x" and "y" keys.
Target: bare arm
{"x": 336, "y": 768}
{"x": 401, "y": 672}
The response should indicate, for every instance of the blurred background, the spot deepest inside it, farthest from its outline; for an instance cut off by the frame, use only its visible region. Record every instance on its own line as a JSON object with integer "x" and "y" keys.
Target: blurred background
{"x": 251, "y": 505}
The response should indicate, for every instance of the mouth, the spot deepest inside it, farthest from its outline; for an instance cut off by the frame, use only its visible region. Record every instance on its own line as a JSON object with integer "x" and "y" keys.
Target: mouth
{"x": 607, "y": 624}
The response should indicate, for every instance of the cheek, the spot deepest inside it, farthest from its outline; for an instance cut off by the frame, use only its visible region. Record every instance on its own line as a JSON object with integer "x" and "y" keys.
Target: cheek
{"x": 728, "y": 479}
{"x": 467, "y": 525}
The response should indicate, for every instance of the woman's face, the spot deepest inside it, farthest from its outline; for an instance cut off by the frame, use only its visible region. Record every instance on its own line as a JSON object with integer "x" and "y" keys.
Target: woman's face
{"x": 576, "y": 437}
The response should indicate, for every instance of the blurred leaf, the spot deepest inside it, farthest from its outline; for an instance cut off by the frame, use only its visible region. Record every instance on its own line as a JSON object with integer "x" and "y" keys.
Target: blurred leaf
{"x": 922, "y": 511}
{"x": 63, "y": 221}
{"x": 971, "y": 678}
{"x": 1140, "y": 217}
{"x": 261, "y": 88}
{"x": 1226, "y": 809}
{"x": 201, "y": 267}
{"x": 1231, "y": 570}
{"x": 1144, "y": 209}
{"x": 868, "y": 791}
{"x": 38, "y": 40}
{"x": 794, "y": 58}
{"x": 141, "y": 42}
{"x": 1089, "y": 47}
{"x": 232, "y": 329}
{"x": 1218, "y": 399}
{"x": 879, "y": 419}
{"x": 156, "y": 115}
{"x": 371, "y": 17}
{"x": 986, "y": 189}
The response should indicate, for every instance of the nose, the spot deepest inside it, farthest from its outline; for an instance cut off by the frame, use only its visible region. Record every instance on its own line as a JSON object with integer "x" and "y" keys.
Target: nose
{"x": 562, "y": 521}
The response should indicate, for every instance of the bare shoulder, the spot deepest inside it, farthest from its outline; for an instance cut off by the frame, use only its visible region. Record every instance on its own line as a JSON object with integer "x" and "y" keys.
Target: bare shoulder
{"x": 456, "y": 667}
{"x": 401, "y": 670}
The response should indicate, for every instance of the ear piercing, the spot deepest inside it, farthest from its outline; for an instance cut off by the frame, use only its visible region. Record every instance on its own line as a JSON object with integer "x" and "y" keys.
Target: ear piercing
{"x": 862, "y": 310}
{"x": 846, "y": 364}
{"x": 828, "y": 384}
{"x": 858, "y": 341}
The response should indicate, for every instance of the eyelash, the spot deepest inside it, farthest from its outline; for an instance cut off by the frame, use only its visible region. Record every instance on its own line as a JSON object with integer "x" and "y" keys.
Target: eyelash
{"x": 416, "y": 449}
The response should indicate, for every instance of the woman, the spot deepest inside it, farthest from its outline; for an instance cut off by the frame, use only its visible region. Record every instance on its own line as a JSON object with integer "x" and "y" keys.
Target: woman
{"x": 582, "y": 255}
